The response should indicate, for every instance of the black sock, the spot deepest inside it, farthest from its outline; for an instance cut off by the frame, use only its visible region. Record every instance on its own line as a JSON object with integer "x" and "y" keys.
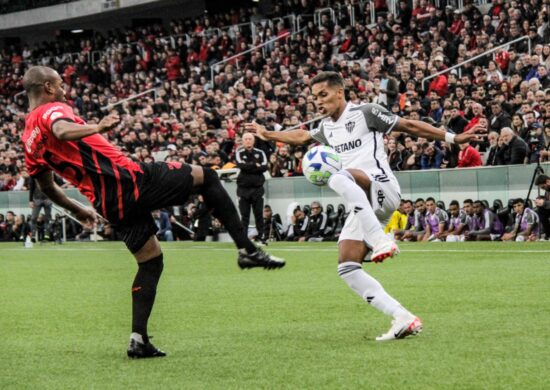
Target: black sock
{"x": 144, "y": 290}
{"x": 217, "y": 199}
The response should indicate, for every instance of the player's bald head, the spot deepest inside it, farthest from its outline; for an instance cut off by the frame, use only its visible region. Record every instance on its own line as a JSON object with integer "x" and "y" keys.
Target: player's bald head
{"x": 35, "y": 78}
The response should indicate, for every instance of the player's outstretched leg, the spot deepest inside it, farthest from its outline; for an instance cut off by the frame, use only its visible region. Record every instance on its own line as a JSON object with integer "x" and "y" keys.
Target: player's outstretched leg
{"x": 217, "y": 199}
{"x": 404, "y": 323}
{"x": 344, "y": 184}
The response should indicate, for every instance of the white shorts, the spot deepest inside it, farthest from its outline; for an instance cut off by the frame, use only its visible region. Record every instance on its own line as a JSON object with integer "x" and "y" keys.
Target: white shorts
{"x": 385, "y": 198}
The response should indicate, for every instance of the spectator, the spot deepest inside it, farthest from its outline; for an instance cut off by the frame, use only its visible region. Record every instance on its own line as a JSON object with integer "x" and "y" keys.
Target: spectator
{"x": 316, "y": 224}
{"x": 162, "y": 219}
{"x": 514, "y": 150}
{"x": 468, "y": 156}
{"x": 394, "y": 155}
{"x": 431, "y": 156}
{"x": 499, "y": 118}
{"x": 493, "y": 150}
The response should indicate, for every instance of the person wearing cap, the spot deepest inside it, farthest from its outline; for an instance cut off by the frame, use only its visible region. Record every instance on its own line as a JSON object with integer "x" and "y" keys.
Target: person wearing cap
{"x": 439, "y": 84}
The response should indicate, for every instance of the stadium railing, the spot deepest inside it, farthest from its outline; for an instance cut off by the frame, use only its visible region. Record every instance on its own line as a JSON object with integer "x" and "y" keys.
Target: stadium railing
{"x": 122, "y": 101}
{"x": 486, "y": 53}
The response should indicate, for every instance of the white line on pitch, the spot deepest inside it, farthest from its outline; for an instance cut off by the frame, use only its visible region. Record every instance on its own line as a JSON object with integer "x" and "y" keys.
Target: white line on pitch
{"x": 275, "y": 249}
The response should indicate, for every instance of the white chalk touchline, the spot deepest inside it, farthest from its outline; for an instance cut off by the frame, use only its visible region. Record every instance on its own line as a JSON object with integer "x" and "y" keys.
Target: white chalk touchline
{"x": 274, "y": 249}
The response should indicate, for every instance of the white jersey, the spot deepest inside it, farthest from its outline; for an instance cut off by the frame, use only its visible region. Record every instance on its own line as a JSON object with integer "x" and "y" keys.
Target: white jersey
{"x": 358, "y": 137}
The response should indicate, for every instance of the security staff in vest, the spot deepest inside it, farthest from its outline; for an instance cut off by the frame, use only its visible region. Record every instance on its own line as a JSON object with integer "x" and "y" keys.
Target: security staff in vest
{"x": 250, "y": 184}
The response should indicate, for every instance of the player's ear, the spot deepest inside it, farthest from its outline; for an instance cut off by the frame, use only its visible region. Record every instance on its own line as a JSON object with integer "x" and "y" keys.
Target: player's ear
{"x": 48, "y": 87}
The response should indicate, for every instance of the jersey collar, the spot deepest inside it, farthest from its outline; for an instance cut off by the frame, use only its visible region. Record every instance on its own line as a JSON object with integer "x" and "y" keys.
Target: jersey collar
{"x": 342, "y": 116}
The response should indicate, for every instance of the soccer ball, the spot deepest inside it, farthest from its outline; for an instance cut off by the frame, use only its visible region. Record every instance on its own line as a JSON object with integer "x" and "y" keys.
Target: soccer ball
{"x": 320, "y": 163}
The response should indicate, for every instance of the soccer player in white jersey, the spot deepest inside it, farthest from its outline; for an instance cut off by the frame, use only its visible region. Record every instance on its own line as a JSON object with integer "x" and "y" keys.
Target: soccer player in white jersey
{"x": 366, "y": 182}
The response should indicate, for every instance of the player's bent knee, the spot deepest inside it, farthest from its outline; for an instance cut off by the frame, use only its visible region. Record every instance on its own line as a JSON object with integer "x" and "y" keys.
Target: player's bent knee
{"x": 149, "y": 251}
{"x": 340, "y": 175}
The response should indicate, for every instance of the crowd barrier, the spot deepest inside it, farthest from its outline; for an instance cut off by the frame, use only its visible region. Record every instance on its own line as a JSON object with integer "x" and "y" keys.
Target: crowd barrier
{"x": 490, "y": 183}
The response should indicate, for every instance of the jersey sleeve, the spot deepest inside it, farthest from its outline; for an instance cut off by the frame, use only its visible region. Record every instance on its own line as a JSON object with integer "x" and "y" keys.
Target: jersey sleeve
{"x": 56, "y": 113}
{"x": 378, "y": 118}
{"x": 318, "y": 134}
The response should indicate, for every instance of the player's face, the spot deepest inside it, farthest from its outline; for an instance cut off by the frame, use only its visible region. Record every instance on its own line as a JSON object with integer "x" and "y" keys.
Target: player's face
{"x": 545, "y": 186}
{"x": 327, "y": 98}
{"x": 430, "y": 206}
{"x": 454, "y": 210}
{"x": 57, "y": 90}
{"x": 477, "y": 208}
{"x": 468, "y": 208}
{"x": 407, "y": 207}
{"x": 518, "y": 208}
{"x": 420, "y": 206}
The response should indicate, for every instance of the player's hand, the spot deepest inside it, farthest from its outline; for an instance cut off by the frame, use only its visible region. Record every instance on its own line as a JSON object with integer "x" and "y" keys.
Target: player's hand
{"x": 258, "y": 130}
{"x": 476, "y": 133}
{"x": 87, "y": 217}
{"x": 108, "y": 122}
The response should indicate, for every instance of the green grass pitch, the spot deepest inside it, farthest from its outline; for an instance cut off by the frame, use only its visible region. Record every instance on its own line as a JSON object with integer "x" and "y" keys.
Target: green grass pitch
{"x": 65, "y": 318}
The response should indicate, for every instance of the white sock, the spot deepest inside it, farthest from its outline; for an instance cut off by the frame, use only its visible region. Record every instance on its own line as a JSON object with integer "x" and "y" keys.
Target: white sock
{"x": 137, "y": 337}
{"x": 370, "y": 289}
{"x": 344, "y": 185}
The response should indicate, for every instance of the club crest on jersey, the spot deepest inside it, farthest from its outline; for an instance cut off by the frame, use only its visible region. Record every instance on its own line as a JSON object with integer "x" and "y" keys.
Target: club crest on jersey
{"x": 350, "y": 126}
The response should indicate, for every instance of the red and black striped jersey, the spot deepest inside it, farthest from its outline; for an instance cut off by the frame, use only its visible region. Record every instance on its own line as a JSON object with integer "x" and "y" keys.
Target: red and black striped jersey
{"x": 99, "y": 170}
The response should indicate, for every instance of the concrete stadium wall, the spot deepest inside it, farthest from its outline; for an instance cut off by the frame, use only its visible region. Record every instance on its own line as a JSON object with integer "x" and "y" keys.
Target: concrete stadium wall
{"x": 488, "y": 183}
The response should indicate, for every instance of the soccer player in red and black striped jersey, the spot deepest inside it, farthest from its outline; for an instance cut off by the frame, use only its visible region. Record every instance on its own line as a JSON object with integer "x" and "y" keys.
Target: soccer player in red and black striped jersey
{"x": 121, "y": 190}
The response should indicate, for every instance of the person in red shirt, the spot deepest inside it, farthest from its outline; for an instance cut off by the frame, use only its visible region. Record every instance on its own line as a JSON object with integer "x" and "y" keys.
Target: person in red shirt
{"x": 124, "y": 192}
{"x": 468, "y": 156}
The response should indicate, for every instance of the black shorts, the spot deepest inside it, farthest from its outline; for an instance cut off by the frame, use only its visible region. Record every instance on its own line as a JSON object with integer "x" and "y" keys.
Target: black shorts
{"x": 163, "y": 185}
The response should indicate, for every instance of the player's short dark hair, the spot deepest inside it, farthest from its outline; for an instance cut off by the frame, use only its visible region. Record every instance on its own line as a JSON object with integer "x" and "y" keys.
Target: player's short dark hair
{"x": 479, "y": 202}
{"x": 468, "y": 201}
{"x": 408, "y": 201}
{"x": 454, "y": 203}
{"x": 517, "y": 201}
{"x": 333, "y": 79}
{"x": 541, "y": 179}
{"x": 419, "y": 200}
{"x": 430, "y": 199}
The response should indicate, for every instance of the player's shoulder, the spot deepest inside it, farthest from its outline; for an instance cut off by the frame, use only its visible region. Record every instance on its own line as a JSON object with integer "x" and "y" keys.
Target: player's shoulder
{"x": 46, "y": 110}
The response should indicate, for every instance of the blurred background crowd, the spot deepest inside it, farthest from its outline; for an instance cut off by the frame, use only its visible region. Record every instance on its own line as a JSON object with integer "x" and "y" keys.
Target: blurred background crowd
{"x": 185, "y": 114}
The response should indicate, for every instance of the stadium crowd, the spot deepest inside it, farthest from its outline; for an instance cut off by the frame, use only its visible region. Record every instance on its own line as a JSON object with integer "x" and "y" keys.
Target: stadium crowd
{"x": 188, "y": 119}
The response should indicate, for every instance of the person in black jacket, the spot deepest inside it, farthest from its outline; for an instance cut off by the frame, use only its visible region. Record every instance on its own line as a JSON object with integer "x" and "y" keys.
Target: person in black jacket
{"x": 316, "y": 224}
{"x": 514, "y": 150}
{"x": 499, "y": 119}
{"x": 250, "y": 183}
{"x": 457, "y": 122}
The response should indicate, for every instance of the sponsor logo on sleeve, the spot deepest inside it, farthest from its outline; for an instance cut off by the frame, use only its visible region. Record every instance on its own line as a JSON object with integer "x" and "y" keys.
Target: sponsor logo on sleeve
{"x": 51, "y": 111}
{"x": 383, "y": 117}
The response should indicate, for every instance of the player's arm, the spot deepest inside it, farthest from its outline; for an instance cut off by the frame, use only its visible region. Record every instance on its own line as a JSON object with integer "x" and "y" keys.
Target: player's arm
{"x": 425, "y": 130}
{"x": 65, "y": 130}
{"x": 50, "y": 188}
{"x": 293, "y": 137}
